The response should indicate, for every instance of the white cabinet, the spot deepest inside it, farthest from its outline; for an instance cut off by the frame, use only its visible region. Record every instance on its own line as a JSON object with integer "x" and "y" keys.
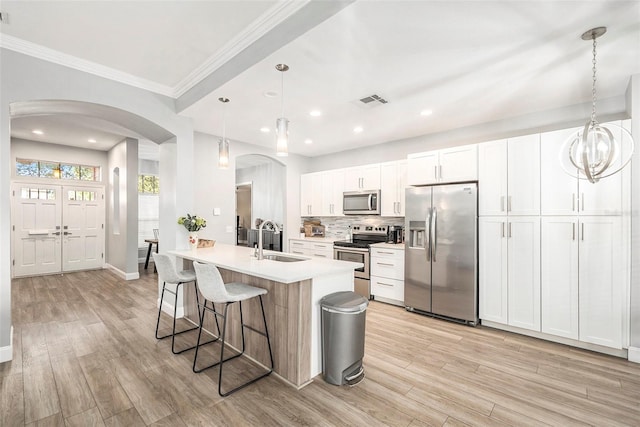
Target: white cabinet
{"x": 559, "y": 276}
{"x": 311, "y": 194}
{"x": 509, "y": 265}
{"x": 582, "y": 284}
{"x": 601, "y": 283}
{"x": 509, "y": 176}
{"x": 387, "y": 274}
{"x": 362, "y": 178}
{"x": 308, "y": 247}
{"x": 393, "y": 181}
{"x": 563, "y": 194}
{"x": 455, "y": 164}
{"x": 332, "y": 189}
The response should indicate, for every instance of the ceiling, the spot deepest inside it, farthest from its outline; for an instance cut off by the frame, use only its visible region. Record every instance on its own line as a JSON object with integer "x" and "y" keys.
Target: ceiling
{"x": 470, "y": 62}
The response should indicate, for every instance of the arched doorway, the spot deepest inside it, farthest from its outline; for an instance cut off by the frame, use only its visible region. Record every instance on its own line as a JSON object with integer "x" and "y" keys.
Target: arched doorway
{"x": 119, "y": 172}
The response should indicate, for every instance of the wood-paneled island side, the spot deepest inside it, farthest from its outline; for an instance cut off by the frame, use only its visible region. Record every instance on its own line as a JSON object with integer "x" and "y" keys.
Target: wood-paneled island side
{"x": 292, "y": 305}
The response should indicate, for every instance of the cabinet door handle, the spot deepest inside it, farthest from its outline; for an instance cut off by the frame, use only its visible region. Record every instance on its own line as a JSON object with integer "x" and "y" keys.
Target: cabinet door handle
{"x": 509, "y": 231}
{"x": 399, "y": 210}
{"x": 573, "y": 231}
{"x": 502, "y": 204}
{"x": 509, "y": 204}
{"x": 583, "y": 231}
{"x": 435, "y": 172}
{"x": 440, "y": 169}
{"x": 573, "y": 202}
{"x": 503, "y": 229}
{"x": 582, "y": 201}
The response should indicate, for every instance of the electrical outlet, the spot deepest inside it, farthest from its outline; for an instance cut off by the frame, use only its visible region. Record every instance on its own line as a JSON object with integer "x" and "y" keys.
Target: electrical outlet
{"x": 216, "y": 211}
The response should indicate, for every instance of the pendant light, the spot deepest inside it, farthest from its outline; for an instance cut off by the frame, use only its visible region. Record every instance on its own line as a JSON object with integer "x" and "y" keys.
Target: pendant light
{"x": 223, "y": 143}
{"x": 282, "y": 124}
{"x": 597, "y": 151}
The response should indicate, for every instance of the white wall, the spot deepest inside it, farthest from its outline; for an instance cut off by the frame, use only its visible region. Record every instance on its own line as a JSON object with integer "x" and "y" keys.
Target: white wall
{"x": 268, "y": 191}
{"x": 215, "y": 188}
{"x": 634, "y": 109}
{"x": 122, "y": 241}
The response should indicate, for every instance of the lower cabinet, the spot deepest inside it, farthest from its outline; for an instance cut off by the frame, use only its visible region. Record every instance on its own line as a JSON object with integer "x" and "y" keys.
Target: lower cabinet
{"x": 509, "y": 265}
{"x": 387, "y": 274}
{"x": 582, "y": 283}
{"x": 307, "y": 247}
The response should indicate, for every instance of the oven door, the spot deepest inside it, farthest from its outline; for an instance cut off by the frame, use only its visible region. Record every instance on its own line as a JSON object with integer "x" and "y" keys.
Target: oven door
{"x": 354, "y": 255}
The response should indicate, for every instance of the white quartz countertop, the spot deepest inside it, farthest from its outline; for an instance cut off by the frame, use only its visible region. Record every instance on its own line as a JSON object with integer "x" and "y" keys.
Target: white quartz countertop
{"x": 241, "y": 259}
{"x": 398, "y": 246}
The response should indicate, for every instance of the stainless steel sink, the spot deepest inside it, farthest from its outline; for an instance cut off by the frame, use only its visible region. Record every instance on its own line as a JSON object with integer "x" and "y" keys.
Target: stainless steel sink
{"x": 283, "y": 258}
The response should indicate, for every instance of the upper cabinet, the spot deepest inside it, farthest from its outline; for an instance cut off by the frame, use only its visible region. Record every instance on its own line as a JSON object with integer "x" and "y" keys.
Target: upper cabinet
{"x": 563, "y": 194}
{"x": 393, "y": 181}
{"x": 332, "y": 189}
{"x": 455, "y": 164}
{"x": 509, "y": 176}
{"x": 362, "y": 178}
{"x": 311, "y": 194}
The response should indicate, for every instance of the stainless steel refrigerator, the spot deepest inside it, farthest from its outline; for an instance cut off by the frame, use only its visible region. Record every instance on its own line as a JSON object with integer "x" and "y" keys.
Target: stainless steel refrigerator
{"x": 441, "y": 251}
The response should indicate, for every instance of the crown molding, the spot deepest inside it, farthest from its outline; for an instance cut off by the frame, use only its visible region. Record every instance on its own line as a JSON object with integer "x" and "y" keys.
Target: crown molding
{"x": 258, "y": 28}
{"x": 32, "y": 49}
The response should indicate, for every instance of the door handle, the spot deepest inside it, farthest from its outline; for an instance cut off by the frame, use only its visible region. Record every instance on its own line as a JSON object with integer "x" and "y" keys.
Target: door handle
{"x": 66, "y": 233}
{"x": 583, "y": 231}
{"x": 582, "y": 201}
{"x": 573, "y": 231}
{"x": 509, "y": 231}
{"x": 57, "y": 233}
{"x": 502, "y": 205}
{"x": 502, "y": 229}
{"x": 573, "y": 202}
{"x": 434, "y": 230}
{"x": 509, "y": 204}
{"x": 440, "y": 171}
{"x": 370, "y": 201}
{"x": 427, "y": 240}
{"x": 435, "y": 172}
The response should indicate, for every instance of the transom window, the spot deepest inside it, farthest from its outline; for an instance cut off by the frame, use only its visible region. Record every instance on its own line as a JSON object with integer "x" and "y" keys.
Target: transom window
{"x": 48, "y": 169}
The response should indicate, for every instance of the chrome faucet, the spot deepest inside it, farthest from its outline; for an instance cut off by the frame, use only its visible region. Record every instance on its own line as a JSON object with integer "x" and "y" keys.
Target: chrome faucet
{"x": 260, "y": 253}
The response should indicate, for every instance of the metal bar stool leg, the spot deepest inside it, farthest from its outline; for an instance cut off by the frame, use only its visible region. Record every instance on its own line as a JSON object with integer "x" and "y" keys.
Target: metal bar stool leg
{"x": 221, "y": 338}
{"x": 265, "y": 334}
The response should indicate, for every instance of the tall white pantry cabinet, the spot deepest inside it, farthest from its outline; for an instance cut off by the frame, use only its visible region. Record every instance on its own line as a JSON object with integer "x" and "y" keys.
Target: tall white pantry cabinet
{"x": 553, "y": 255}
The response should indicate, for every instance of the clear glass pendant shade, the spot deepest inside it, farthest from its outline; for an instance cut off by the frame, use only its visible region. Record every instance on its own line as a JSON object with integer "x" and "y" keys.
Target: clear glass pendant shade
{"x": 282, "y": 137}
{"x": 223, "y": 153}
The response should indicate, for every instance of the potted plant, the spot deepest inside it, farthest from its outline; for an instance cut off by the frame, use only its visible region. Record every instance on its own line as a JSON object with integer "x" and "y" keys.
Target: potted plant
{"x": 193, "y": 224}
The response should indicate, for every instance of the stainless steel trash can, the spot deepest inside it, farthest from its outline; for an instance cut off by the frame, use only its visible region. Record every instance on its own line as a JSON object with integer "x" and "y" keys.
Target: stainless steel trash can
{"x": 343, "y": 327}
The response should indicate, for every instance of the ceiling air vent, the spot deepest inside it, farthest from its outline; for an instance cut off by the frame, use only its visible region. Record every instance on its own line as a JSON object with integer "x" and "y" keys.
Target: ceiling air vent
{"x": 373, "y": 98}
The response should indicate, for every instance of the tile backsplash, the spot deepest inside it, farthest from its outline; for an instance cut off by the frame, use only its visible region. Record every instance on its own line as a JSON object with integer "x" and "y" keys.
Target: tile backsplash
{"x": 336, "y": 226}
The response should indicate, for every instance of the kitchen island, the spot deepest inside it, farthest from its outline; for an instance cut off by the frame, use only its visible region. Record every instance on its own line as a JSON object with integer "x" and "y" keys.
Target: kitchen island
{"x": 291, "y": 306}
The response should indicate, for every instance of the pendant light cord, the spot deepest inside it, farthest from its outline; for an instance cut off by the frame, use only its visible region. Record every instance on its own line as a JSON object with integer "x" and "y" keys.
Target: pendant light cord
{"x": 282, "y": 94}
{"x": 593, "y": 90}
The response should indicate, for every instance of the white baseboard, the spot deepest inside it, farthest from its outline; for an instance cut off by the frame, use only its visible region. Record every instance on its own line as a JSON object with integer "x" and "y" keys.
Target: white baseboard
{"x": 634, "y": 354}
{"x": 6, "y": 352}
{"x": 168, "y": 308}
{"x": 122, "y": 274}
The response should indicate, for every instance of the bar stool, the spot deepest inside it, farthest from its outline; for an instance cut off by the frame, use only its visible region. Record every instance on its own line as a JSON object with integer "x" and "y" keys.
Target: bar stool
{"x": 215, "y": 290}
{"x": 170, "y": 276}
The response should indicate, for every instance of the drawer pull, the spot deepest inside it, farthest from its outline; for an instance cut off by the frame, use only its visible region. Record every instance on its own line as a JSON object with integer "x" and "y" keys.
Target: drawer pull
{"x": 296, "y": 252}
{"x": 385, "y": 284}
{"x": 383, "y": 252}
{"x": 320, "y": 255}
{"x": 384, "y": 263}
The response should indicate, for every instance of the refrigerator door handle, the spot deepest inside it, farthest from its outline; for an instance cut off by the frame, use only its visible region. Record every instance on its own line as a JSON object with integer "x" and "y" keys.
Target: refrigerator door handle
{"x": 427, "y": 240}
{"x": 434, "y": 233}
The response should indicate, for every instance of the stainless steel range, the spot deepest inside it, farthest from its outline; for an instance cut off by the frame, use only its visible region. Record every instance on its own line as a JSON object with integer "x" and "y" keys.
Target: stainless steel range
{"x": 357, "y": 250}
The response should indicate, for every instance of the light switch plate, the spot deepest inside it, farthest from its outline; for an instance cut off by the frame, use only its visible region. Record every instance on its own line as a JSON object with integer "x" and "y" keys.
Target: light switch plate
{"x": 229, "y": 229}
{"x": 216, "y": 211}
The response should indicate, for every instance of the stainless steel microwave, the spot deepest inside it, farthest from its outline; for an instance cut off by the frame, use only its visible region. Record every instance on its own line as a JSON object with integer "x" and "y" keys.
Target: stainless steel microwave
{"x": 361, "y": 202}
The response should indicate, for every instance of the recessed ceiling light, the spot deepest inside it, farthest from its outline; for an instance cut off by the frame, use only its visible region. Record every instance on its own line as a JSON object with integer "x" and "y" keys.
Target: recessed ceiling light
{"x": 37, "y": 132}
{"x": 308, "y": 141}
{"x": 91, "y": 140}
{"x": 315, "y": 113}
{"x": 426, "y": 112}
{"x": 357, "y": 129}
{"x": 265, "y": 129}
{"x": 271, "y": 94}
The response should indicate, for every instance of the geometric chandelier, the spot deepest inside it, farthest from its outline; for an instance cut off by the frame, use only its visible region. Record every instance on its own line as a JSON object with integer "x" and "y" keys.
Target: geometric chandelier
{"x": 597, "y": 151}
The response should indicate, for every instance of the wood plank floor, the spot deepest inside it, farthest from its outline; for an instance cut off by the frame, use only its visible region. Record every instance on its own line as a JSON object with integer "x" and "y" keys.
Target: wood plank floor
{"x": 85, "y": 354}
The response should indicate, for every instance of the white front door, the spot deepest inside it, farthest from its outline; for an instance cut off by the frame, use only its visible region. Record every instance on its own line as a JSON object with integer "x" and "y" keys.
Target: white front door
{"x": 36, "y": 224}
{"x": 57, "y": 228}
{"x": 83, "y": 228}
